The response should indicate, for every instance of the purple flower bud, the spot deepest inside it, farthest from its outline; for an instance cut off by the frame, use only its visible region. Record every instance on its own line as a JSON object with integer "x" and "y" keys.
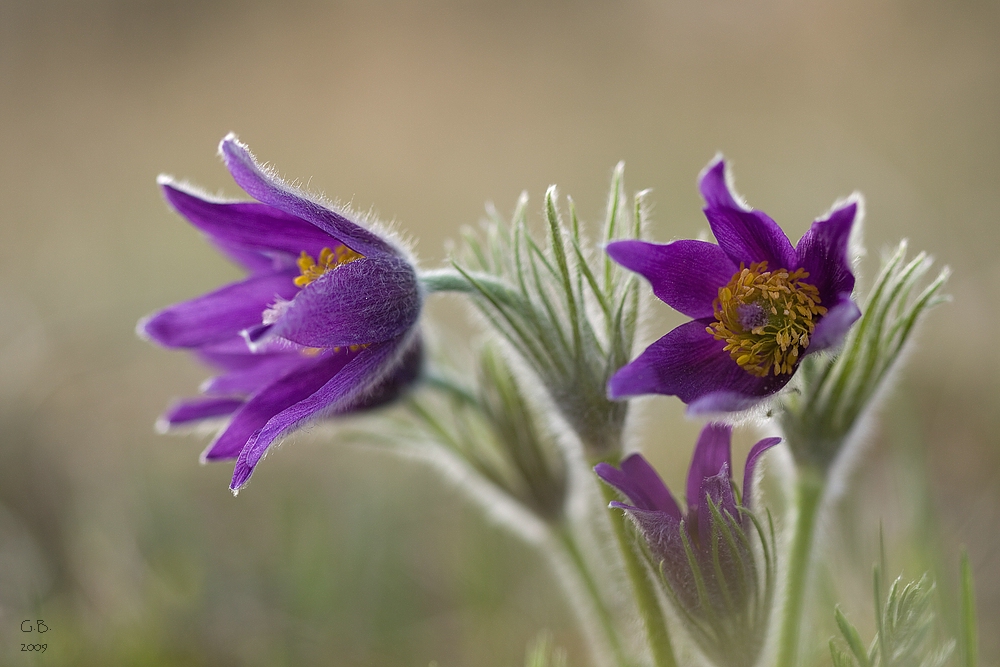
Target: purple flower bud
{"x": 325, "y": 323}
{"x": 704, "y": 554}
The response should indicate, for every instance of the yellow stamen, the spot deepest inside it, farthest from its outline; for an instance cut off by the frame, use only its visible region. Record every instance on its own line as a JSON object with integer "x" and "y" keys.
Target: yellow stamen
{"x": 328, "y": 261}
{"x": 766, "y": 318}
{"x": 353, "y": 348}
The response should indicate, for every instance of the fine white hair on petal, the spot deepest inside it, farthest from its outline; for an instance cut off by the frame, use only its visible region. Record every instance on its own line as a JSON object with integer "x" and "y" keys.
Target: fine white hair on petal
{"x": 140, "y": 328}
{"x": 387, "y": 231}
{"x": 855, "y": 245}
{"x": 727, "y": 174}
{"x": 275, "y": 311}
{"x": 190, "y": 188}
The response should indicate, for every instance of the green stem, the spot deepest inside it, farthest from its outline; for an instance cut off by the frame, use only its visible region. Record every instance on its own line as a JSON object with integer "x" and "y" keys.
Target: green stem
{"x": 607, "y": 624}
{"x": 645, "y": 595}
{"x": 444, "y": 280}
{"x": 808, "y": 497}
{"x": 456, "y": 280}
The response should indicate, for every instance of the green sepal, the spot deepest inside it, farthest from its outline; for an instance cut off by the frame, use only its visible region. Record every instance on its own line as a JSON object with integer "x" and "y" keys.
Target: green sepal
{"x": 908, "y": 631}
{"x": 493, "y": 428}
{"x": 560, "y": 303}
{"x": 835, "y": 390}
{"x": 853, "y": 638}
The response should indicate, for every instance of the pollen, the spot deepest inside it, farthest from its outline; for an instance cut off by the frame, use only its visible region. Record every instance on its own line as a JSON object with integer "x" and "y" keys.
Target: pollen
{"x": 328, "y": 261}
{"x": 353, "y": 348}
{"x": 314, "y": 351}
{"x": 766, "y": 318}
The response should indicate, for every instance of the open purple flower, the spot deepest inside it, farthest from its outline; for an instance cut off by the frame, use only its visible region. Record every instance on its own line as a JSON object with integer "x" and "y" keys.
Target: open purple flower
{"x": 705, "y": 553}
{"x": 324, "y": 324}
{"x": 758, "y": 304}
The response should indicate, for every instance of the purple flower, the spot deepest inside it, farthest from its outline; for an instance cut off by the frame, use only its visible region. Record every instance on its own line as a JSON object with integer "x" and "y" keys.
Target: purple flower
{"x": 325, "y": 323}
{"x": 704, "y": 554}
{"x": 758, "y": 304}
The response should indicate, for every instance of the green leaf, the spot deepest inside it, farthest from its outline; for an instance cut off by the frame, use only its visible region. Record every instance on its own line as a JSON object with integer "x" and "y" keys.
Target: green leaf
{"x": 573, "y": 328}
{"x": 909, "y": 633}
{"x": 853, "y": 638}
{"x": 836, "y": 390}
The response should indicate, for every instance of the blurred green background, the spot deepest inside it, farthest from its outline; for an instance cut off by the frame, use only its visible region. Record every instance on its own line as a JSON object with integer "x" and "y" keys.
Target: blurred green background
{"x": 133, "y": 554}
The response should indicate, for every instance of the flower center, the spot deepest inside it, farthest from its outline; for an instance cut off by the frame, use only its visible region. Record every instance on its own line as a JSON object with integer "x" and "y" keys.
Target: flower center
{"x": 766, "y": 318}
{"x": 328, "y": 261}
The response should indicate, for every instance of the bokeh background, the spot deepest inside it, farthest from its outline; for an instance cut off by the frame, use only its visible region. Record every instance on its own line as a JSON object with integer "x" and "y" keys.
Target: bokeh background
{"x": 133, "y": 554}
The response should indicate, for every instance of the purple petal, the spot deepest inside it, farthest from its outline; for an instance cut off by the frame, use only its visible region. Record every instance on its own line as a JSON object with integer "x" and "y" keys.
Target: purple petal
{"x": 719, "y": 488}
{"x": 217, "y": 315}
{"x": 257, "y": 337}
{"x": 197, "y": 409}
{"x": 660, "y": 530}
{"x": 349, "y": 386}
{"x": 713, "y": 183}
{"x": 711, "y": 455}
{"x": 620, "y": 505}
{"x": 686, "y": 275}
{"x": 248, "y": 225}
{"x": 751, "y": 467}
{"x": 392, "y": 385}
{"x": 717, "y": 402}
{"x": 662, "y": 533}
{"x": 653, "y": 489}
{"x": 265, "y": 186}
{"x": 234, "y": 346}
{"x": 254, "y": 261}
{"x": 284, "y": 392}
{"x": 689, "y": 363}
{"x": 616, "y": 478}
{"x": 823, "y": 252}
{"x": 368, "y": 300}
{"x": 745, "y": 235}
{"x": 830, "y": 330}
{"x": 253, "y": 378}
{"x": 234, "y": 355}
{"x": 638, "y": 481}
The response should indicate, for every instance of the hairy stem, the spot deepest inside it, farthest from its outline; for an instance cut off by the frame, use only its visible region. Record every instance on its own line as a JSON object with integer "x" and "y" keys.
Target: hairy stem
{"x": 808, "y": 497}
{"x": 572, "y": 550}
{"x": 645, "y": 596}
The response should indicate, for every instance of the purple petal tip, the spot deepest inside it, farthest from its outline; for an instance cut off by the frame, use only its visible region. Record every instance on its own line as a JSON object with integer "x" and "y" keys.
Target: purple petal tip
{"x": 714, "y": 185}
{"x": 240, "y": 477}
{"x": 140, "y": 328}
{"x": 232, "y": 150}
{"x": 228, "y": 142}
{"x": 602, "y": 469}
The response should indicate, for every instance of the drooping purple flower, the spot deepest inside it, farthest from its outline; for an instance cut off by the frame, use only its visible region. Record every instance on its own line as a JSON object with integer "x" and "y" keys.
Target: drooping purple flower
{"x": 325, "y": 323}
{"x": 758, "y": 304}
{"x": 704, "y": 553}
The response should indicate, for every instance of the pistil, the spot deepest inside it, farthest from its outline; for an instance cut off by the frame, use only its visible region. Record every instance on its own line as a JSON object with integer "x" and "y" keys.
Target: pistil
{"x": 766, "y": 318}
